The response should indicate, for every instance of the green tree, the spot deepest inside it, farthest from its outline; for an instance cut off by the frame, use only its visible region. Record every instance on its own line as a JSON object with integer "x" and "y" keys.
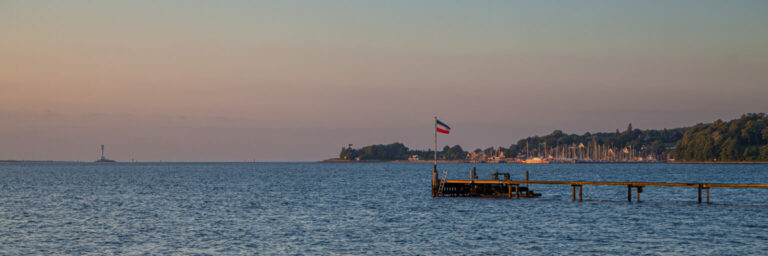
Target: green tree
{"x": 658, "y": 147}
{"x": 730, "y": 150}
{"x": 764, "y": 153}
{"x": 765, "y": 134}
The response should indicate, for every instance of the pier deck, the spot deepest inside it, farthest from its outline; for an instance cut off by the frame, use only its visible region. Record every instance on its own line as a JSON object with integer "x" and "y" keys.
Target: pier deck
{"x": 519, "y": 188}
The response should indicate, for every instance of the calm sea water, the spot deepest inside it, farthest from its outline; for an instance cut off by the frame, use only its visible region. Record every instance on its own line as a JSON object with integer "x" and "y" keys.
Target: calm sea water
{"x": 370, "y": 208}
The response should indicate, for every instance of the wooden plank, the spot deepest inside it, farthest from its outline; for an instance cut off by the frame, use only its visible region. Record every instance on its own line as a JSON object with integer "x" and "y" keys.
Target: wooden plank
{"x": 721, "y": 185}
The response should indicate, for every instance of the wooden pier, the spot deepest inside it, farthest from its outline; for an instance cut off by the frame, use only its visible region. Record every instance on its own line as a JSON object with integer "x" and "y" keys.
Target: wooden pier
{"x": 496, "y": 187}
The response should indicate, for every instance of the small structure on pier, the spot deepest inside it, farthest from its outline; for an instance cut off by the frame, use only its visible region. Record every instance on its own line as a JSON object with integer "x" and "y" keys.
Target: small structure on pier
{"x": 474, "y": 187}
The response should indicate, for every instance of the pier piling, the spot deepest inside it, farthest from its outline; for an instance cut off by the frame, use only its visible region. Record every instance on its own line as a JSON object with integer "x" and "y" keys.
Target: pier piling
{"x": 573, "y": 192}
{"x": 700, "y": 193}
{"x": 434, "y": 180}
{"x": 526, "y": 178}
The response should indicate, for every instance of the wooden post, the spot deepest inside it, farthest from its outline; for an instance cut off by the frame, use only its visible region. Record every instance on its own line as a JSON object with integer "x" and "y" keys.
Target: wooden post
{"x": 526, "y": 180}
{"x": 579, "y": 193}
{"x": 573, "y": 192}
{"x": 629, "y": 193}
{"x": 509, "y": 193}
{"x": 707, "y": 195}
{"x": 699, "y": 193}
{"x": 638, "y": 193}
{"x": 434, "y": 180}
{"x": 517, "y": 190}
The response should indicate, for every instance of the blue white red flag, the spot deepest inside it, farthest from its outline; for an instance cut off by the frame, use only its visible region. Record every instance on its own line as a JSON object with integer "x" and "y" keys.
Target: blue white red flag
{"x": 442, "y": 127}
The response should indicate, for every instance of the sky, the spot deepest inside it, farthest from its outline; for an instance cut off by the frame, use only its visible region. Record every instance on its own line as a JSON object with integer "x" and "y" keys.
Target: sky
{"x": 297, "y": 80}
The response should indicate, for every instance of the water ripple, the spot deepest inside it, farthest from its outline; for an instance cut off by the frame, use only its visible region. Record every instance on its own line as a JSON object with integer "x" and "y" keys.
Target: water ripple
{"x": 381, "y": 208}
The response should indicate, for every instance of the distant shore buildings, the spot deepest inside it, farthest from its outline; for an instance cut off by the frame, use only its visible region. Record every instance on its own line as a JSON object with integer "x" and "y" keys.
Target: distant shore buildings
{"x": 739, "y": 140}
{"x": 571, "y": 154}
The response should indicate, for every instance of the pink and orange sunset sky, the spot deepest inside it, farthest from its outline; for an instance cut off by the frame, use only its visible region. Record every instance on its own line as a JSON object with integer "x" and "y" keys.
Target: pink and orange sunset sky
{"x": 296, "y": 80}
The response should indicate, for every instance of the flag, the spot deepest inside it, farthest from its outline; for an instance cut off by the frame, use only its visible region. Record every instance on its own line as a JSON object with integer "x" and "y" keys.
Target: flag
{"x": 442, "y": 127}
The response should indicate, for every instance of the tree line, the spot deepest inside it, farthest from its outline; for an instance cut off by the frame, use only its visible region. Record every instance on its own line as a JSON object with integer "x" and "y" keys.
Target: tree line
{"x": 743, "y": 139}
{"x": 398, "y": 151}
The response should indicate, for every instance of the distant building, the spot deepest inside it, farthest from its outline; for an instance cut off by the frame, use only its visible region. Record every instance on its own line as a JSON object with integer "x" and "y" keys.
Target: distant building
{"x": 414, "y": 158}
{"x": 104, "y": 159}
{"x": 478, "y": 157}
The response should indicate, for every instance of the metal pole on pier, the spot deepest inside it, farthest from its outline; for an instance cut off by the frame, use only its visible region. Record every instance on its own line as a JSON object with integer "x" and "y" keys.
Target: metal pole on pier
{"x": 435, "y": 178}
{"x": 435, "y": 140}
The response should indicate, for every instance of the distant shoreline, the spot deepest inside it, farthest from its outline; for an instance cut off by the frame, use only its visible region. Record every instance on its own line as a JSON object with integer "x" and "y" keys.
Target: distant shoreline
{"x": 402, "y": 161}
{"x": 30, "y": 161}
{"x": 388, "y": 161}
{"x": 724, "y": 162}
{"x": 460, "y": 161}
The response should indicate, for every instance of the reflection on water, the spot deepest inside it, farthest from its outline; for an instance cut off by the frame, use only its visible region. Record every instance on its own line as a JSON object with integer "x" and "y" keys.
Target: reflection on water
{"x": 372, "y": 208}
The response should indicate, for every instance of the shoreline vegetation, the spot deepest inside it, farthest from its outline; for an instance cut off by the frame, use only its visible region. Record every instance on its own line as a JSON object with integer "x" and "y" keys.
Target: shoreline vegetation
{"x": 738, "y": 141}
{"x": 336, "y": 160}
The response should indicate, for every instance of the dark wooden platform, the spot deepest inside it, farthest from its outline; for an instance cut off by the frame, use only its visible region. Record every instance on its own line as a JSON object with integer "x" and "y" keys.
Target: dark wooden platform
{"x": 504, "y": 187}
{"x": 495, "y": 187}
{"x": 471, "y": 189}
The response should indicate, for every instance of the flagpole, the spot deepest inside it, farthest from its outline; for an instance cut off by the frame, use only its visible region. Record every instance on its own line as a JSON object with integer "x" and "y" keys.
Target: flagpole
{"x": 435, "y": 140}
{"x": 435, "y": 187}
